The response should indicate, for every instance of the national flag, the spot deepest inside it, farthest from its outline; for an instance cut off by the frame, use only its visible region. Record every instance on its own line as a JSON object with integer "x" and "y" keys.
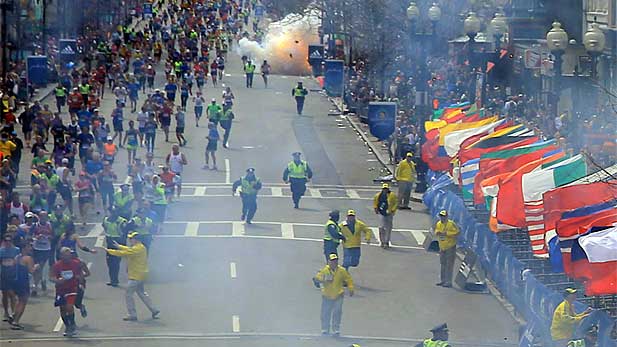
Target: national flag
{"x": 510, "y": 161}
{"x": 505, "y": 161}
{"x": 457, "y": 116}
{"x": 536, "y": 183}
{"x": 588, "y": 190}
{"x": 431, "y": 156}
{"x": 510, "y": 194}
{"x": 600, "y": 247}
{"x": 452, "y": 141}
{"x": 462, "y": 126}
{"x": 468, "y": 172}
{"x": 493, "y": 144}
{"x": 569, "y": 227}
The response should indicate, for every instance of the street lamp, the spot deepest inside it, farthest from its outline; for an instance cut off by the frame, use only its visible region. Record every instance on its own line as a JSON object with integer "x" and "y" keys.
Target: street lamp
{"x": 434, "y": 15}
{"x": 472, "y": 26}
{"x": 557, "y": 41}
{"x": 5, "y": 6}
{"x": 500, "y": 27}
{"x": 594, "y": 41}
{"x": 413, "y": 12}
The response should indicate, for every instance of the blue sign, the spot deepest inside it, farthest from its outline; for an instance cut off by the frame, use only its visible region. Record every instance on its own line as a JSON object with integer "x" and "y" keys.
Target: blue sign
{"x": 37, "y": 69}
{"x": 381, "y": 119}
{"x": 259, "y": 11}
{"x": 333, "y": 72}
{"x": 67, "y": 48}
{"x": 147, "y": 10}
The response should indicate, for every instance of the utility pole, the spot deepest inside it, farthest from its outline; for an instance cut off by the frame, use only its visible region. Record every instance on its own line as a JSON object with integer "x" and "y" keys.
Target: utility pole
{"x": 44, "y": 28}
{"x": 5, "y": 6}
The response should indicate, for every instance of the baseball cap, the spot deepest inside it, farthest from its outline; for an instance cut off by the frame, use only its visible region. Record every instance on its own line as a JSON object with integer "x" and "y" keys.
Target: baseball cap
{"x": 351, "y": 213}
{"x": 443, "y": 213}
{"x": 569, "y": 291}
{"x": 29, "y": 215}
{"x": 333, "y": 256}
{"x": 409, "y": 154}
{"x": 132, "y": 235}
{"x": 385, "y": 185}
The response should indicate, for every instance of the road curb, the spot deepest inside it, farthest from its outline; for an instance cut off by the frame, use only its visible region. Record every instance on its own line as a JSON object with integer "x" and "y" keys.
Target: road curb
{"x": 385, "y": 162}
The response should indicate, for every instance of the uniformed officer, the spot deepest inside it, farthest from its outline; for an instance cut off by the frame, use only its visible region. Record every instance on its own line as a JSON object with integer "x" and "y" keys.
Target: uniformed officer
{"x": 439, "y": 339}
{"x": 113, "y": 225}
{"x": 123, "y": 201}
{"x": 299, "y": 93}
{"x": 353, "y": 229}
{"x": 297, "y": 173}
{"x": 447, "y": 232}
{"x": 332, "y": 235}
{"x": 250, "y": 185}
{"x": 143, "y": 225}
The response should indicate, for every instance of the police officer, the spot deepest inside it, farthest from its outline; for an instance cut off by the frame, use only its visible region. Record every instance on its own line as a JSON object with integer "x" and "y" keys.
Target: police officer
{"x": 113, "y": 225}
{"x": 439, "y": 339}
{"x": 250, "y": 185}
{"x": 332, "y": 235}
{"x": 249, "y": 70}
{"x": 299, "y": 92}
{"x": 143, "y": 225}
{"x": 447, "y": 232}
{"x": 297, "y": 173}
{"x": 123, "y": 201}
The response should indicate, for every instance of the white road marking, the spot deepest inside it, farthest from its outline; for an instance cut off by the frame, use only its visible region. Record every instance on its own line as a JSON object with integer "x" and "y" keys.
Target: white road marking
{"x": 277, "y": 191}
{"x": 419, "y": 236}
{"x": 376, "y": 234}
{"x": 200, "y": 191}
{"x": 237, "y": 229}
{"x": 99, "y": 241}
{"x": 272, "y": 196}
{"x": 353, "y": 194}
{"x": 232, "y": 270}
{"x": 235, "y": 322}
{"x": 191, "y": 229}
{"x": 284, "y": 77}
{"x": 97, "y": 230}
{"x": 287, "y": 230}
{"x": 315, "y": 193}
{"x": 59, "y": 323}
{"x": 227, "y": 172}
{"x": 248, "y": 147}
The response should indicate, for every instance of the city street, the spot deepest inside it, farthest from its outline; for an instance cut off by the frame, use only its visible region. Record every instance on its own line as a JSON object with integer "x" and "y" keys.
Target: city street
{"x": 220, "y": 282}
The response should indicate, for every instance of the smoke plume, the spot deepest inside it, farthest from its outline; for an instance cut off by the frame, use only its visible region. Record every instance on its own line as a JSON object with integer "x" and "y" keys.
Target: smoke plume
{"x": 285, "y": 45}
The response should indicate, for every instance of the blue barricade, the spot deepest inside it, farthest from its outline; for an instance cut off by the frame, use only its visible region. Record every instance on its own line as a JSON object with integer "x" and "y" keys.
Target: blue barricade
{"x": 530, "y": 297}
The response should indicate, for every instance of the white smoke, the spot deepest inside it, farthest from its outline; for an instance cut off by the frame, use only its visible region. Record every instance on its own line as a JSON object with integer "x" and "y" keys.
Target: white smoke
{"x": 285, "y": 44}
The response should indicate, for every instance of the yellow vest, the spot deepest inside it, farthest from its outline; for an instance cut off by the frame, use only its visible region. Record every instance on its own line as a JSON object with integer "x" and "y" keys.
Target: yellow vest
{"x": 435, "y": 343}
{"x": 327, "y": 236}
{"x": 248, "y": 187}
{"x": 446, "y": 234}
{"x": 297, "y": 171}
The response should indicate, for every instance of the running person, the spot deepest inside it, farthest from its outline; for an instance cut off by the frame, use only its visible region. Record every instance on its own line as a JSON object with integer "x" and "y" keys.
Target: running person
{"x": 24, "y": 267}
{"x": 42, "y": 234}
{"x": 180, "y": 123}
{"x": 176, "y": 161}
{"x": 199, "y": 107}
{"x": 265, "y": 72}
{"x": 131, "y": 140}
{"x": 66, "y": 273}
{"x": 213, "y": 138}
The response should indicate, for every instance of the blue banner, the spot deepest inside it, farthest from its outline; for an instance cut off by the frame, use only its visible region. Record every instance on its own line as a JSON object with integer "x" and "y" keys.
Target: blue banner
{"x": 259, "y": 11}
{"x": 37, "y": 69}
{"x": 147, "y": 10}
{"x": 381, "y": 119}
{"x": 334, "y": 77}
{"x": 67, "y": 48}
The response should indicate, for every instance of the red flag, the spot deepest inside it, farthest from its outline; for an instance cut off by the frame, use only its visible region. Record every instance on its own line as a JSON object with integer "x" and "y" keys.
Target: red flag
{"x": 492, "y": 167}
{"x": 430, "y": 155}
{"x": 559, "y": 200}
{"x": 466, "y": 154}
{"x": 510, "y": 196}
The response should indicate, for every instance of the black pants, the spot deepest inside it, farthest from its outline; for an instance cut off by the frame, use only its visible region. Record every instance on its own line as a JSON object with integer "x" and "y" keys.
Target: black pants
{"x": 249, "y": 206}
{"x": 113, "y": 262}
{"x": 226, "y": 125}
{"x": 298, "y": 188}
{"x": 299, "y": 104}
{"x": 79, "y": 299}
{"x": 329, "y": 247}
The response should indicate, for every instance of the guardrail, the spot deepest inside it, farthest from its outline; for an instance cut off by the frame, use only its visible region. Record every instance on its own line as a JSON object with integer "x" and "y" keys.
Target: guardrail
{"x": 521, "y": 288}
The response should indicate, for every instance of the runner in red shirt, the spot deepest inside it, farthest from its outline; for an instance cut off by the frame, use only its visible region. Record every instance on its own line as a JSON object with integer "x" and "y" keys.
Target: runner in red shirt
{"x": 66, "y": 273}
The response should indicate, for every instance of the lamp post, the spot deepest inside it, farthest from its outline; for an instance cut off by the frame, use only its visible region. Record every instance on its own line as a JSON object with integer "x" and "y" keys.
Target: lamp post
{"x": 557, "y": 41}
{"x": 471, "y": 26}
{"x": 434, "y": 15}
{"x": 5, "y": 6}
{"x": 594, "y": 41}
{"x": 500, "y": 27}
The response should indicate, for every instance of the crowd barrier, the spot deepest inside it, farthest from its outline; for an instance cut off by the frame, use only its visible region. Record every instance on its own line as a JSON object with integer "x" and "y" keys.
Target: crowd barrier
{"x": 529, "y": 296}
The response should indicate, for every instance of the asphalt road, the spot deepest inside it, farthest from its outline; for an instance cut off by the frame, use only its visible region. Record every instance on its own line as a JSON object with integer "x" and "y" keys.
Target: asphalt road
{"x": 220, "y": 282}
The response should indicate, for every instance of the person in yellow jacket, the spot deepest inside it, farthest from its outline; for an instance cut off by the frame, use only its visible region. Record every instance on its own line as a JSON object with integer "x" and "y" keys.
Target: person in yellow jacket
{"x": 137, "y": 259}
{"x": 385, "y": 204}
{"x": 353, "y": 229}
{"x": 332, "y": 279}
{"x": 439, "y": 339}
{"x": 446, "y": 232}
{"x": 405, "y": 175}
{"x": 565, "y": 320}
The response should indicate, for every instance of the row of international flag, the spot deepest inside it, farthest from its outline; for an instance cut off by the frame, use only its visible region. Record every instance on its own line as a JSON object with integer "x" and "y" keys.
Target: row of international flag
{"x": 568, "y": 207}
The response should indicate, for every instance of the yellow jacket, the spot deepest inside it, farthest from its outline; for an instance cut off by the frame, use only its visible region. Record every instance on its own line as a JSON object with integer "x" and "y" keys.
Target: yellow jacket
{"x": 137, "y": 259}
{"x": 353, "y": 240}
{"x": 332, "y": 281}
{"x": 564, "y": 321}
{"x": 405, "y": 171}
{"x": 392, "y": 202}
{"x": 446, "y": 234}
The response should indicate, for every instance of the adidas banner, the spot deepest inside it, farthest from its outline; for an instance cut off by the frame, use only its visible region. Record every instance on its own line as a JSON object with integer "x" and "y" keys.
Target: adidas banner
{"x": 315, "y": 54}
{"x": 68, "y": 50}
